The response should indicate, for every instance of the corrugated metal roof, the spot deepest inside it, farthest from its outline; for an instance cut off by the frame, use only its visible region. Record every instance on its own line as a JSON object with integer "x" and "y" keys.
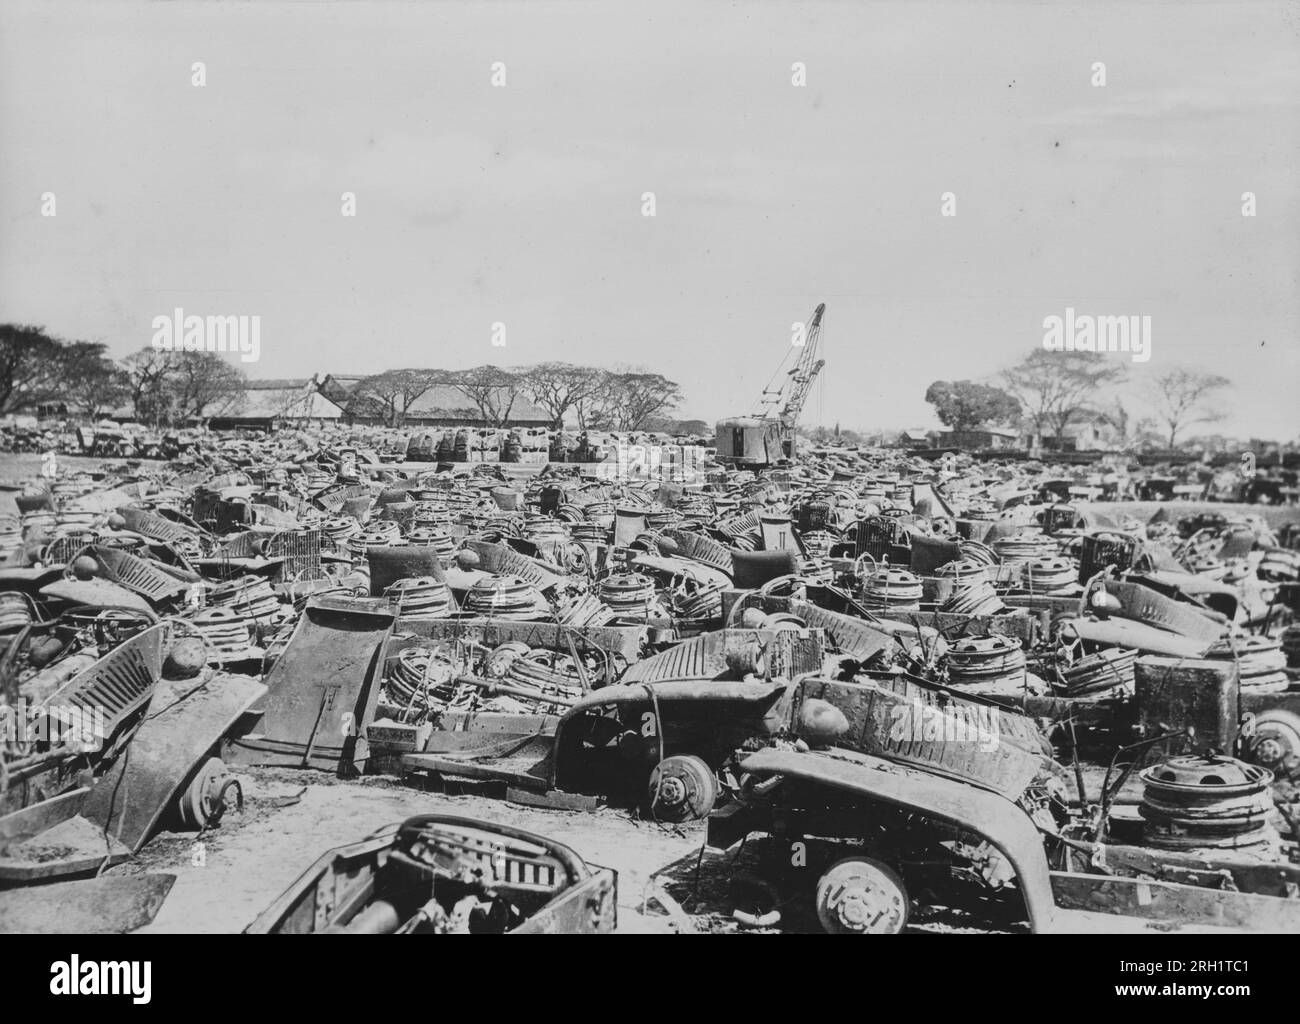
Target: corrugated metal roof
{"x": 298, "y": 402}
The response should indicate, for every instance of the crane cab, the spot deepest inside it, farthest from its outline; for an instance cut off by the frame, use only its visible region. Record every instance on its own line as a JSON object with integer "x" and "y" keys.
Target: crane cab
{"x": 752, "y": 441}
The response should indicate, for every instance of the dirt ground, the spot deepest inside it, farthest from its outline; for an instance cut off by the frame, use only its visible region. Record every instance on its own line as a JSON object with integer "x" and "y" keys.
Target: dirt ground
{"x": 292, "y": 817}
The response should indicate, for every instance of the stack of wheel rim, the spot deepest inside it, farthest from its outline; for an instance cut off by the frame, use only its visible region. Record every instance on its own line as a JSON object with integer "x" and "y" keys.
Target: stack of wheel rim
{"x": 431, "y": 513}
{"x": 1024, "y": 547}
{"x": 589, "y": 533}
{"x": 892, "y": 590}
{"x": 570, "y": 512}
{"x": 584, "y": 610}
{"x": 506, "y": 597}
{"x": 818, "y": 543}
{"x": 1106, "y": 671}
{"x": 529, "y": 672}
{"x": 388, "y": 529}
{"x": 338, "y": 530}
{"x": 985, "y": 659}
{"x": 420, "y": 597}
{"x": 1051, "y": 575}
{"x": 1202, "y": 801}
{"x": 1279, "y": 565}
{"x": 15, "y": 612}
{"x": 1260, "y": 660}
{"x": 431, "y": 537}
{"x": 969, "y": 591}
{"x": 964, "y": 570}
{"x": 629, "y": 595}
{"x": 358, "y": 543}
{"x": 973, "y": 596}
{"x": 420, "y": 681}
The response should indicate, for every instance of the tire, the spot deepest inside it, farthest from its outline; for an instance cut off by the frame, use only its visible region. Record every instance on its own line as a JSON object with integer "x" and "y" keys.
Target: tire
{"x": 861, "y": 896}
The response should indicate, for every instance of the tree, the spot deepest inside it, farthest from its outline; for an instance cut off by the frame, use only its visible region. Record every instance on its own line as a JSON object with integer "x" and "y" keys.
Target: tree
{"x": 91, "y": 381}
{"x": 966, "y": 405}
{"x": 1056, "y": 388}
{"x": 493, "y": 391}
{"x": 1182, "y": 397}
{"x": 396, "y": 391}
{"x": 201, "y": 384}
{"x": 30, "y": 367}
{"x": 1130, "y": 431}
{"x": 145, "y": 377}
{"x": 642, "y": 395}
{"x": 559, "y": 387}
{"x": 594, "y": 408}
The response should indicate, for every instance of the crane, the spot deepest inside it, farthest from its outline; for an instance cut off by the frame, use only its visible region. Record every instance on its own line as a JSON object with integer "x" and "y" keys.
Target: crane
{"x": 804, "y": 372}
{"x": 770, "y": 435}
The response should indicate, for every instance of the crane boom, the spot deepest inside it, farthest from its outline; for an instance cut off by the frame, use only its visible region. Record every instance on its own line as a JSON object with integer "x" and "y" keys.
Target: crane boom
{"x": 805, "y": 371}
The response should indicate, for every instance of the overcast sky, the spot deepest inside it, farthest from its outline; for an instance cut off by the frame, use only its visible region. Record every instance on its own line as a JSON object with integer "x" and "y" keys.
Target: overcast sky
{"x": 522, "y": 204}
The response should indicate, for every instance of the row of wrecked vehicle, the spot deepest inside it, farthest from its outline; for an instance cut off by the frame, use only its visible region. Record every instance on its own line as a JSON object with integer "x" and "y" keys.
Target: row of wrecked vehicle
{"x": 925, "y": 688}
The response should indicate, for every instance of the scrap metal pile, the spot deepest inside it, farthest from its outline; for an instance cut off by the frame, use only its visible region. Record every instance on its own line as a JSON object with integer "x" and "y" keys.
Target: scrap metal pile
{"x": 910, "y": 670}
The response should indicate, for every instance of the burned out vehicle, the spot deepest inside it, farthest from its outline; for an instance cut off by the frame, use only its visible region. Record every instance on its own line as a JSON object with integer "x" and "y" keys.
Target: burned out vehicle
{"x": 443, "y": 875}
{"x": 875, "y": 785}
{"x": 884, "y": 775}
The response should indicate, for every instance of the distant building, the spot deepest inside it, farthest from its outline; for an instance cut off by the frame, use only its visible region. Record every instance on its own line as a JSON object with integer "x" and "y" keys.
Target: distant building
{"x": 1089, "y": 436}
{"x": 916, "y": 438}
{"x": 265, "y": 404}
{"x": 339, "y": 387}
{"x": 978, "y": 440}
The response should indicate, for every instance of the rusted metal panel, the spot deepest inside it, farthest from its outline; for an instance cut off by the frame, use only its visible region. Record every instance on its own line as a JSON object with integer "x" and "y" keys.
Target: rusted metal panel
{"x": 503, "y": 560}
{"x": 1212, "y": 869}
{"x": 118, "y": 683}
{"x": 904, "y": 720}
{"x": 701, "y": 548}
{"x": 588, "y": 908}
{"x": 853, "y": 636}
{"x": 625, "y": 641}
{"x": 182, "y": 726}
{"x": 1174, "y": 903}
{"x": 319, "y": 689}
{"x": 1178, "y": 693}
{"x": 1116, "y": 632}
{"x": 1142, "y": 604}
{"x": 787, "y": 652}
{"x": 95, "y": 906}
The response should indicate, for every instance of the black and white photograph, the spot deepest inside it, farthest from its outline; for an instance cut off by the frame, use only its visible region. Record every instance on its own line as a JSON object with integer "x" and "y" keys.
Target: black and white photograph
{"x": 605, "y": 467}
